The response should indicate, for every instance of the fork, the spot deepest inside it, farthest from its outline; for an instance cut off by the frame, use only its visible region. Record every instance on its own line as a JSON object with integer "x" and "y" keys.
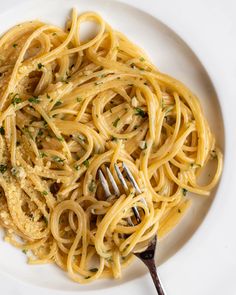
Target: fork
{"x": 147, "y": 256}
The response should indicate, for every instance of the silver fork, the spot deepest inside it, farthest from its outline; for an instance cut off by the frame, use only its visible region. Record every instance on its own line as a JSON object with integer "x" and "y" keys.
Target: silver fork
{"x": 147, "y": 256}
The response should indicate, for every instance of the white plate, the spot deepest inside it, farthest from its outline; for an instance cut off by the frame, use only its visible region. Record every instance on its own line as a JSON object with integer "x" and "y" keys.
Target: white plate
{"x": 180, "y": 268}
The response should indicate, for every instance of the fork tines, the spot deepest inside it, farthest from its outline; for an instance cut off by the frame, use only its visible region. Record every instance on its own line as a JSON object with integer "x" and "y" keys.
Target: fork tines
{"x": 122, "y": 180}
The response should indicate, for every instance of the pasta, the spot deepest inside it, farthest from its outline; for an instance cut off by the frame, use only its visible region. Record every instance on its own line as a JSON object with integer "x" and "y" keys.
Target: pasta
{"x": 69, "y": 107}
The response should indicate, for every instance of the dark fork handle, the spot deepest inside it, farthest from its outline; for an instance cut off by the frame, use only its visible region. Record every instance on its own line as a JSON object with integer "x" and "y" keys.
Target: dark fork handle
{"x": 148, "y": 258}
{"x": 153, "y": 272}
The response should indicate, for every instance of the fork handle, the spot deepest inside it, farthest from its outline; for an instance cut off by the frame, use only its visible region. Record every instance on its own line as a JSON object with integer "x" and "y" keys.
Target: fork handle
{"x": 156, "y": 280}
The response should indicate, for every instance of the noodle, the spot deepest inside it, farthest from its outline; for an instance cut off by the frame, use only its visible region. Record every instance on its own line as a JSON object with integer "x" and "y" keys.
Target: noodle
{"x": 69, "y": 107}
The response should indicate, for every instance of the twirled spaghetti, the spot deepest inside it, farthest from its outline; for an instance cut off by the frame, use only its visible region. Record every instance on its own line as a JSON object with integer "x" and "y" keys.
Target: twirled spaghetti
{"x": 69, "y": 108}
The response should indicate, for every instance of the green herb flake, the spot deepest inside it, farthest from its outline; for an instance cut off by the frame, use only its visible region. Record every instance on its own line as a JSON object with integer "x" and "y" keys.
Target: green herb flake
{"x": 45, "y": 220}
{"x": 16, "y": 99}
{"x": 81, "y": 138}
{"x": 42, "y": 155}
{"x": 57, "y": 159}
{"x": 44, "y": 193}
{"x": 34, "y": 100}
{"x": 140, "y": 112}
{"x": 77, "y": 167}
{"x": 2, "y": 131}
{"x": 94, "y": 269}
{"x": 142, "y": 59}
{"x": 86, "y": 163}
{"x": 40, "y": 133}
{"x": 54, "y": 34}
{"x": 78, "y": 99}
{"x": 92, "y": 186}
{"x": 115, "y": 123}
{"x": 113, "y": 138}
{"x": 58, "y": 103}
{"x": 24, "y": 251}
{"x": 184, "y": 191}
{"x": 48, "y": 96}
{"x": 88, "y": 277}
{"x": 3, "y": 168}
{"x": 14, "y": 45}
{"x": 40, "y": 66}
{"x": 60, "y": 138}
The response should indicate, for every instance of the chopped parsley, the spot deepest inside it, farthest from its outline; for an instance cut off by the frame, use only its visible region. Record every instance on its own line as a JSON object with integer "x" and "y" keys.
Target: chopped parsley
{"x": 113, "y": 138}
{"x": 42, "y": 155}
{"x": 45, "y": 193}
{"x": 184, "y": 191}
{"x": 115, "y": 123}
{"x": 81, "y": 138}
{"x": 2, "y": 130}
{"x": 48, "y": 96}
{"x": 40, "y": 132}
{"x": 54, "y": 34}
{"x": 40, "y": 66}
{"x": 45, "y": 220}
{"x": 79, "y": 99}
{"x": 60, "y": 138}
{"x": 86, "y": 163}
{"x": 58, "y": 159}
{"x": 14, "y": 45}
{"x": 142, "y": 59}
{"x": 77, "y": 167}
{"x": 58, "y": 103}
{"x": 92, "y": 186}
{"x": 16, "y": 99}
{"x": 3, "y": 168}
{"x": 34, "y": 100}
{"x": 24, "y": 251}
{"x": 140, "y": 112}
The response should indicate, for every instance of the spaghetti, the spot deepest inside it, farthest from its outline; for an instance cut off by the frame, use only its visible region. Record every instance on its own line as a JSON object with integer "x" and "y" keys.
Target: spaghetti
{"x": 69, "y": 107}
